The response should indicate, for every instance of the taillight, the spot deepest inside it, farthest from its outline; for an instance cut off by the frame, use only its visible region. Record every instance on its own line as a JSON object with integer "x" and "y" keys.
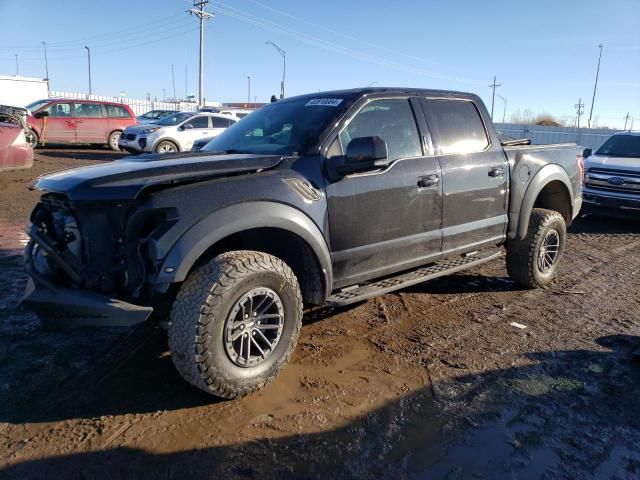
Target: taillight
{"x": 580, "y": 164}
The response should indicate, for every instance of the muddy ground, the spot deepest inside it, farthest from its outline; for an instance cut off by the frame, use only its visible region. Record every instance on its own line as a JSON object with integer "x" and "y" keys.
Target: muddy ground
{"x": 429, "y": 382}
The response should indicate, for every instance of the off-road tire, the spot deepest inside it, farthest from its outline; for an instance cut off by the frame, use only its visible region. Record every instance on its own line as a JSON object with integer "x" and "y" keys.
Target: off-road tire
{"x": 32, "y": 138}
{"x": 166, "y": 143}
{"x": 199, "y": 313}
{"x": 114, "y": 137}
{"x": 522, "y": 255}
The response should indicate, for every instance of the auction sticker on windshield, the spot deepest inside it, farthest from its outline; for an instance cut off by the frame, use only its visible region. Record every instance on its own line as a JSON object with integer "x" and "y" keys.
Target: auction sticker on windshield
{"x": 324, "y": 102}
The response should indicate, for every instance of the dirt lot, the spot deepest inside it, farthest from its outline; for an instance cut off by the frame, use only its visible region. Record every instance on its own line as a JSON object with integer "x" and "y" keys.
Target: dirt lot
{"x": 430, "y": 382}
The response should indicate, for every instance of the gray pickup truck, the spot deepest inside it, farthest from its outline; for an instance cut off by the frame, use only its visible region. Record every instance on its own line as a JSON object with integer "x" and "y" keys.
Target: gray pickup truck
{"x": 323, "y": 199}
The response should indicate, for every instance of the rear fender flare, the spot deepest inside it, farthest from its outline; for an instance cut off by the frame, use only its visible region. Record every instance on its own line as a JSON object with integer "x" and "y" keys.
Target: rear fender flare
{"x": 546, "y": 175}
{"x": 238, "y": 218}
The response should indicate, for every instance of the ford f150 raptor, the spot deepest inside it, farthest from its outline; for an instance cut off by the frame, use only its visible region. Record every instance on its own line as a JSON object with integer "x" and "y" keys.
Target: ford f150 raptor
{"x": 322, "y": 199}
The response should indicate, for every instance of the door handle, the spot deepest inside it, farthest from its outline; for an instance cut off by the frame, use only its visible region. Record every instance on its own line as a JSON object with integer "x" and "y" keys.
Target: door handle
{"x": 427, "y": 181}
{"x": 496, "y": 171}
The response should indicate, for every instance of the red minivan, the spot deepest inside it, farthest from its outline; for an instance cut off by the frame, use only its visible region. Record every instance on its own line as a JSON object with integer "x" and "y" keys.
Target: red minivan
{"x": 78, "y": 121}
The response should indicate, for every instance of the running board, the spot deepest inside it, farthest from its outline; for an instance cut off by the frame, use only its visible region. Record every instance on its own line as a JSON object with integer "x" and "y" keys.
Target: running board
{"x": 445, "y": 267}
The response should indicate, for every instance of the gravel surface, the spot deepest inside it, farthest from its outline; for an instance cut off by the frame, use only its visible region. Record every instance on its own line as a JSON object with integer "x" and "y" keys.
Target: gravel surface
{"x": 434, "y": 381}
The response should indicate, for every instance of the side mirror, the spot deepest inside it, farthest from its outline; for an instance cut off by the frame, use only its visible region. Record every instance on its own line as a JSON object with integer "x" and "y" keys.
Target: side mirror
{"x": 364, "y": 154}
{"x": 587, "y": 152}
{"x": 186, "y": 126}
{"x": 41, "y": 114}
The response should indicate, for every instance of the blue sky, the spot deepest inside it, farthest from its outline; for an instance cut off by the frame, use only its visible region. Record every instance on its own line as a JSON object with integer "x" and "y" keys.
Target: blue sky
{"x": 544, "y": 53}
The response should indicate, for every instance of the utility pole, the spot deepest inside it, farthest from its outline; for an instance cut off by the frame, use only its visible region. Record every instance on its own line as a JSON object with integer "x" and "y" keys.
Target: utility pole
{"x": 173, "y": 81}
{"x": 89, "y": 60}
{"x": 248, "y": 89}
{"x": 17, "y": 69}
{"x": 579, "y": 110}
{"x": 595, "y": 85}
{"x": 164, "y": 94}
{"x": 626, "y": 119}
{"x": 284, "y": 65}
{"x": 202, "y": 15}
{"x": 493, "y": 97}
{"x": 186, "y": 85}
{"x": 504, "y": 110}
{"x": 255, "y": 101}
{"x": 46, "y": 63}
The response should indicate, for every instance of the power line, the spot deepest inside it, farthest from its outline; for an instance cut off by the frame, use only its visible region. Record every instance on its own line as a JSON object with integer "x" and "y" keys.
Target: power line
{"x": 595, "y": 85}
{"x": 326, "y": 45}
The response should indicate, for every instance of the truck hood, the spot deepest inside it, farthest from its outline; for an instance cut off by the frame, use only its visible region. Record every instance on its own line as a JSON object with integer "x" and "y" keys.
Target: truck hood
{"x": 125, "y": 180}
{"x": 613, "y": 163}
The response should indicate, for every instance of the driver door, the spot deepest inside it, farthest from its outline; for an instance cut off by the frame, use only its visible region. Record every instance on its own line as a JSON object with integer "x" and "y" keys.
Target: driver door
{"x": 193, "y": 129}
{"x": 387, "y": 220}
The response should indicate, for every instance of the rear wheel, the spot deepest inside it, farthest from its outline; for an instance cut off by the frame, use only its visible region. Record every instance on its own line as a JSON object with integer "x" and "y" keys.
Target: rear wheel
{"x": 114, "y": 138}
{"x": 235, "y": 322}
{"x": 166, "y": 146}
{"x": 532, "y": 262}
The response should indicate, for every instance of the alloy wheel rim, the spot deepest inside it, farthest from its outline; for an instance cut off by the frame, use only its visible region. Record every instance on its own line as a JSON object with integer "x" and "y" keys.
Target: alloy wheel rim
{"x": 253, "y": 328}
{"x": 115, "y": 140}
{"x": 549, "y": 251}
{"x": 166, "y": 149}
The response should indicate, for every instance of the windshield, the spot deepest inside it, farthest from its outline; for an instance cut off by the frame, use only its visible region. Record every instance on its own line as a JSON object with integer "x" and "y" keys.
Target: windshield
{"x": 174, "y": 119}
{"x": 155, "y": 114}
{"x": 279, "y": 128}
{"x": 33, "y": 106}
{"x": 621, "y": 146}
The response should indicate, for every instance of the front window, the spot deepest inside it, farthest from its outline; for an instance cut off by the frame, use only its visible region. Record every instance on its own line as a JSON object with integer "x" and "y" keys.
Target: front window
{"x": 627, "y": 146}
{"x": 175, "y": 119}
{"x": 33, "y": 106}
{"x": 280, "y": 128}
{"x": 392, "y": 120}
{"x": 198, "y": 122}
{"x": 59, "y": 110}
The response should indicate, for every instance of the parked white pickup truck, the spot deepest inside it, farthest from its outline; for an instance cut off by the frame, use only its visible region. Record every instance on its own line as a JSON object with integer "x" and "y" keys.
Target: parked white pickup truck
{"x": 612, "y": 182}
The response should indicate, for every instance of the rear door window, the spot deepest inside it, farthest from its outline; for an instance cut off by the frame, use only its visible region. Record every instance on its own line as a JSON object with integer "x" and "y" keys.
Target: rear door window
{"x": 221, "y": 122}
{"x": 456, "y": 126}
{"x": 92, "y": 110}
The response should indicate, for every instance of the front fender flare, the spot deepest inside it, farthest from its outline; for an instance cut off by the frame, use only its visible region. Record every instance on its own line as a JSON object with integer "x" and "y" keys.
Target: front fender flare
{"x": 518, "y": 226}
{"x": 235, "y": 219}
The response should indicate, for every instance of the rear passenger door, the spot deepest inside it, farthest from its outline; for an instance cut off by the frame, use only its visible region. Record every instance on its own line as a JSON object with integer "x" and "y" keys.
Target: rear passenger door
{"x": 475, "y": 175}
{"x": 92, "y": 125}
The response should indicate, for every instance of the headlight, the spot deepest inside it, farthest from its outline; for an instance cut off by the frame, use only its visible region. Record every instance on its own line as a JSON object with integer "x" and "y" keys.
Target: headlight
{"x": 150, "y": 130}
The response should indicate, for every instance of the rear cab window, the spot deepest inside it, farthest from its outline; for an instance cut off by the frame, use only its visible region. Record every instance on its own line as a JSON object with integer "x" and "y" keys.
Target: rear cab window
{"x": 456, "y": 126}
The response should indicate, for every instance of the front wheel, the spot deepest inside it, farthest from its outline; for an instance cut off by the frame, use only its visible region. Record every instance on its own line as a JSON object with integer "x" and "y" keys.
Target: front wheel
{"x": 166, "y": 147}
{"x": 235, "y": 322}
{"x": 533, "y": 261}
{"x": 31, "y": 137}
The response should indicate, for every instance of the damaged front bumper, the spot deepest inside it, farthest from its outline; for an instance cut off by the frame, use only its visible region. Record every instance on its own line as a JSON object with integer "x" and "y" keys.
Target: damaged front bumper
{"x": 74, "y": 308}
{"x": 69, "y": 306}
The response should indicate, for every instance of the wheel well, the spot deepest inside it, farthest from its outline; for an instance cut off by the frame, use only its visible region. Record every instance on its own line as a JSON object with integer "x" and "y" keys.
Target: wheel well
{"x": 287, "y": 246}
{"x": 555, "y": 196}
